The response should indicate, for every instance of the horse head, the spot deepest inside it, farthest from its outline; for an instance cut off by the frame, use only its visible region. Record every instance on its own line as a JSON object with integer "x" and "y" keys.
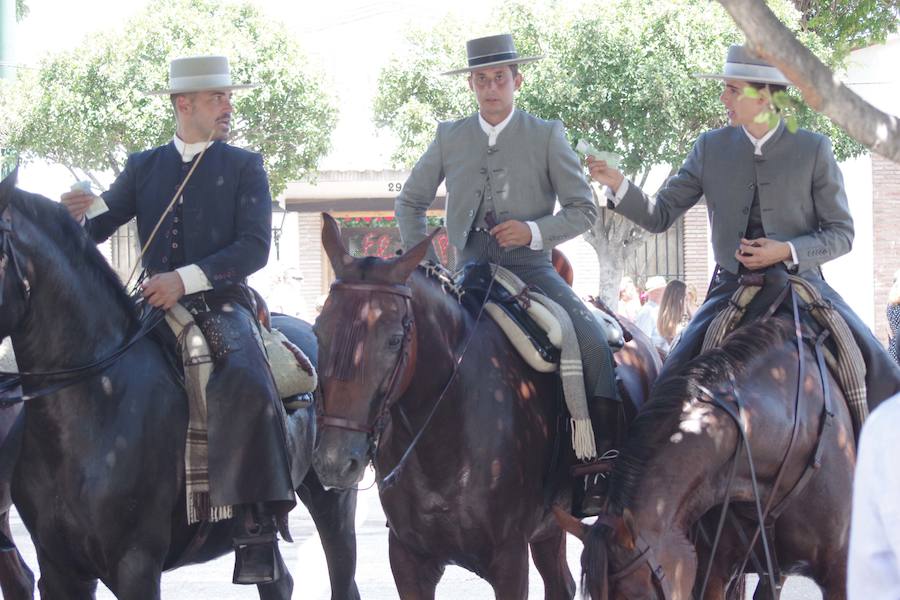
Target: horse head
{"x": 14, "y": 285}
{"x": 617, "y": 563}
{"x": 367, "y": 354}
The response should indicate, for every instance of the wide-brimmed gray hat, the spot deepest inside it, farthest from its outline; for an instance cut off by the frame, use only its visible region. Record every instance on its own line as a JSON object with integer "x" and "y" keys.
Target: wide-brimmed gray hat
{"x": 199, "y": 74}
{"x": 492, "y": 51}
{"x": 743, "y": 65}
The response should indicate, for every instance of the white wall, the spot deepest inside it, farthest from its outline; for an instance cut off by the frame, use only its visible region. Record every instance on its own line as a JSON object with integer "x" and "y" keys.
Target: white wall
{"x": 873, "y": 74}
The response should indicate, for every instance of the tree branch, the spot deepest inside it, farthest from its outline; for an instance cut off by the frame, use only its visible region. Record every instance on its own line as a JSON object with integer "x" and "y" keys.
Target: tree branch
{"x": 113, "y": 164}
{"x": 768, "y": 37}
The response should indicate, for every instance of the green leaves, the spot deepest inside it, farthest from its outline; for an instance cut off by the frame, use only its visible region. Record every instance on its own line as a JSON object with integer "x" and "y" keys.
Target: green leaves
{"x": 622, "y": 79}
{"x": 87, "y": 108}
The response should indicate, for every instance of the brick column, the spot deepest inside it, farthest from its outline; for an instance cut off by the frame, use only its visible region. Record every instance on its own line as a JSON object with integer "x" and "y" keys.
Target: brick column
{"x": 886, "y": 234}
{"x": 696, "y": 249}
{"x": 312, "y": 258}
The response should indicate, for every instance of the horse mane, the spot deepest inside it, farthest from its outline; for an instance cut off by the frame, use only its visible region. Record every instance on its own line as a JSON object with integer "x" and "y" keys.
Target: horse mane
{"x": 344, "y": 363}
{"x": 595, "y": 559}
{"x": 660, "y": 417}
{"x": 71, "y": 240}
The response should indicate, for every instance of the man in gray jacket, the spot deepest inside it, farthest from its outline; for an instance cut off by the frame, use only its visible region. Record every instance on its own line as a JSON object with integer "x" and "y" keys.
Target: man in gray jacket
{"x": 505, "y": 170}
{"x": 775, "y": 200}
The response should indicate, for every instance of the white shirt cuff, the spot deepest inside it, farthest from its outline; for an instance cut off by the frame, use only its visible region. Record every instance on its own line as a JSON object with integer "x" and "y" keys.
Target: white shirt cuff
{"x": 793, "y": 261}
{"x": 537, "y": 242}
{"x": 194, "y": 279}
{"x": 620, "y": 193}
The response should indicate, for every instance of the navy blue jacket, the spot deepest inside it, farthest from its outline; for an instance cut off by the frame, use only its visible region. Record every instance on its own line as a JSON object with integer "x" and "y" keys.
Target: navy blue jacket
{"x": 227, "y": 210}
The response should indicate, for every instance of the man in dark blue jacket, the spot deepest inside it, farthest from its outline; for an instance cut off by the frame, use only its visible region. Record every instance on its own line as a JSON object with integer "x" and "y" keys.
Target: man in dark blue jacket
{"x": 216, "y": 234}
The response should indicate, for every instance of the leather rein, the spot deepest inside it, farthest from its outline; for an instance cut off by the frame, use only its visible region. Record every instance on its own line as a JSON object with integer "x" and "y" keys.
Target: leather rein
{"x": 10, "y": 380}
{"x": 765, "y": 515}
{"x": 400, "y": 377}
{"x": 403, "y": 368}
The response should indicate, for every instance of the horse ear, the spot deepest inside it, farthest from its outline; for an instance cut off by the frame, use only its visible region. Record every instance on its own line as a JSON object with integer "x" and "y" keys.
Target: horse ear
{"x": 406, "y": 263}
{"x": 334, "y": 247}
{"x": 7, "y": 186}
{"x": 623, "y": 530}
{"x": 570, "y": 523}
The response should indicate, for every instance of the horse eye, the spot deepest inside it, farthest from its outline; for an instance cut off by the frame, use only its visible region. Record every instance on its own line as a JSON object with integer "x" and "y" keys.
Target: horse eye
{"x": 395, "y": 341}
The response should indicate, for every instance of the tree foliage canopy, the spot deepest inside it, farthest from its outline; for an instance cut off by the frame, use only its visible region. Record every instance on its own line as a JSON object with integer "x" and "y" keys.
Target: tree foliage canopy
{"x": 848, "y": 24}
{"x": 87, "y": 108}
{"x": 622, "y": 79}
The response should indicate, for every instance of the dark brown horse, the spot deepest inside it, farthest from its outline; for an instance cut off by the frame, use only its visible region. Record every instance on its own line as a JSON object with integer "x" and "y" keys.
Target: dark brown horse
{"x": 677, "y": 462}
{"x": 479, "y": 481}
{"x": 99, "y": 476}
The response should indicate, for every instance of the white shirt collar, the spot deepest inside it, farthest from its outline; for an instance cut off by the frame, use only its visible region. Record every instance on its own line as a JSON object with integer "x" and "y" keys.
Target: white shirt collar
{"x": 188, "y": 151}
{"x": 493, "y": 131}
{"x": 758, "y": 143}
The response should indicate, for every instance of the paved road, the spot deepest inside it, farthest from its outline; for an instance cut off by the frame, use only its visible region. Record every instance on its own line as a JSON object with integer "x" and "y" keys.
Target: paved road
{"x": 307, "y": 564}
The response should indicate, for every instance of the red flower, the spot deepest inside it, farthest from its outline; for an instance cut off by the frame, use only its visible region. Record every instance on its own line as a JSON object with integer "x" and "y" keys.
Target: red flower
{"x": 367, "y": 219}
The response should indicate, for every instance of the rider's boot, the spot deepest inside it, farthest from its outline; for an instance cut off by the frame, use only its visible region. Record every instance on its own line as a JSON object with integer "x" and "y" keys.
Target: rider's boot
{"x": 592, "y": 487}
{"x": 257, "y": 559}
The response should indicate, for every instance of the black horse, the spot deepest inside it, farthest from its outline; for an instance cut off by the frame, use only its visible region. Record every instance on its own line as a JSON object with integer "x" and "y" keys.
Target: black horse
{"x": 99, "y": 481}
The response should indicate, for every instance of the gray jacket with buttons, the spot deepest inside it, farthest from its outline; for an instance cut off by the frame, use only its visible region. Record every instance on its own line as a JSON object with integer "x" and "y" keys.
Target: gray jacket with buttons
{"x": 529, "y": 168}
{"x": 801, "y": 194}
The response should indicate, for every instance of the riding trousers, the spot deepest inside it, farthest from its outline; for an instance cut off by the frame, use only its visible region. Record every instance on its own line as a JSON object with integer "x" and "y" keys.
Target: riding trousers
{"x": 882, "y": 374}
{"x": 248, "y": 456}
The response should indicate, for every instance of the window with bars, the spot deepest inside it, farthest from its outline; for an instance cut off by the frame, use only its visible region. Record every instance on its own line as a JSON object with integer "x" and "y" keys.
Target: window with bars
{"x": 124, "y": 248}
{"x": 660, "y": 254}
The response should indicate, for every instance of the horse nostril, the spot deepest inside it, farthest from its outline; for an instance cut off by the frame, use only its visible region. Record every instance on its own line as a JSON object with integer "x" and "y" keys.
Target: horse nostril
{"x": 351, "y": 467}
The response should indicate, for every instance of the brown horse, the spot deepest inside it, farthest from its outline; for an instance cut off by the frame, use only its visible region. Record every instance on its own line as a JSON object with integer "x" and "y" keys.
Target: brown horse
{"x": 397, "y": 350}
{"x": 686, "y": 455}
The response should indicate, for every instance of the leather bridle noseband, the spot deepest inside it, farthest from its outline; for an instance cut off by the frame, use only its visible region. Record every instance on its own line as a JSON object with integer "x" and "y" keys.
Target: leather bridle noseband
{"x": 403, "y": 369}
{"x": 645, "y": 557}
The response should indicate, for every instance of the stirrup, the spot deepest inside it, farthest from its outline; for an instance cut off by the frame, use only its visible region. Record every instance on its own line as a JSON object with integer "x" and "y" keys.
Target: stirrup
{"x": 256, "y": 559}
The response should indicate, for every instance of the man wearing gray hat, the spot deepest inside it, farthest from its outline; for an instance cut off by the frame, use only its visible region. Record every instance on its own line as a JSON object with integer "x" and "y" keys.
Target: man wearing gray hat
{"x": 505, "y": 170}
{"x": 216, "y": 234}
{"x": 775, "y": 200}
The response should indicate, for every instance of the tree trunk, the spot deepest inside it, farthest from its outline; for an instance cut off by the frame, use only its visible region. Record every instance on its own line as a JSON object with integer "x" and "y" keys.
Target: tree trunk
{"x": 768, "y": 37}
{"x": 613, "y": 237}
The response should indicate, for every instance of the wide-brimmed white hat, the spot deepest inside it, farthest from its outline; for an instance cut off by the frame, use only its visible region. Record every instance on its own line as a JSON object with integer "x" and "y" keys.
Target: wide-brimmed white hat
{"x": 654, "y": 283}
{"x": 743, "y": 65}
{"x": 199, "y": 74}
{"x": 492, "y": 51}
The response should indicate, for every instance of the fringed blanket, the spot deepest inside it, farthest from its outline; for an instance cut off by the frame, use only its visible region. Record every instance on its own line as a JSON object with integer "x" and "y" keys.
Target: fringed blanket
{"x": 197, "y": 361}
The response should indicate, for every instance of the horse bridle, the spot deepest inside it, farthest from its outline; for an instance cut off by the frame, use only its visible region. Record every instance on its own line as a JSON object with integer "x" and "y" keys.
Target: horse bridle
{"x": 401, "y": 374}
{"x": 645, "y": 557}
{"x": 12, "y": 380}
{"x": 9, "y": 256}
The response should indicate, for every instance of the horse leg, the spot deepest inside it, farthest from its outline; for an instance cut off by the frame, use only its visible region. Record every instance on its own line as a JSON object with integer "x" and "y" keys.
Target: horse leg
{"x": 282, "y": 589}
{"x": 333, "y": 512}
{"x": 549, "y": 556}
{"x": 137, "y": 577}
{"x": 60, "y": 584}
{"x": 16, "y": 579}
{"x": 508, "y": 572}
{"x": 416, "y": 577}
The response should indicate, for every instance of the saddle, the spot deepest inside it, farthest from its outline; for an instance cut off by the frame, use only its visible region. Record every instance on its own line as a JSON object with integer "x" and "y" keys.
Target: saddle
{"x": 540, "y": 330}
{"x": 530, "y": 327}
{"x": 765, "y": 294}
